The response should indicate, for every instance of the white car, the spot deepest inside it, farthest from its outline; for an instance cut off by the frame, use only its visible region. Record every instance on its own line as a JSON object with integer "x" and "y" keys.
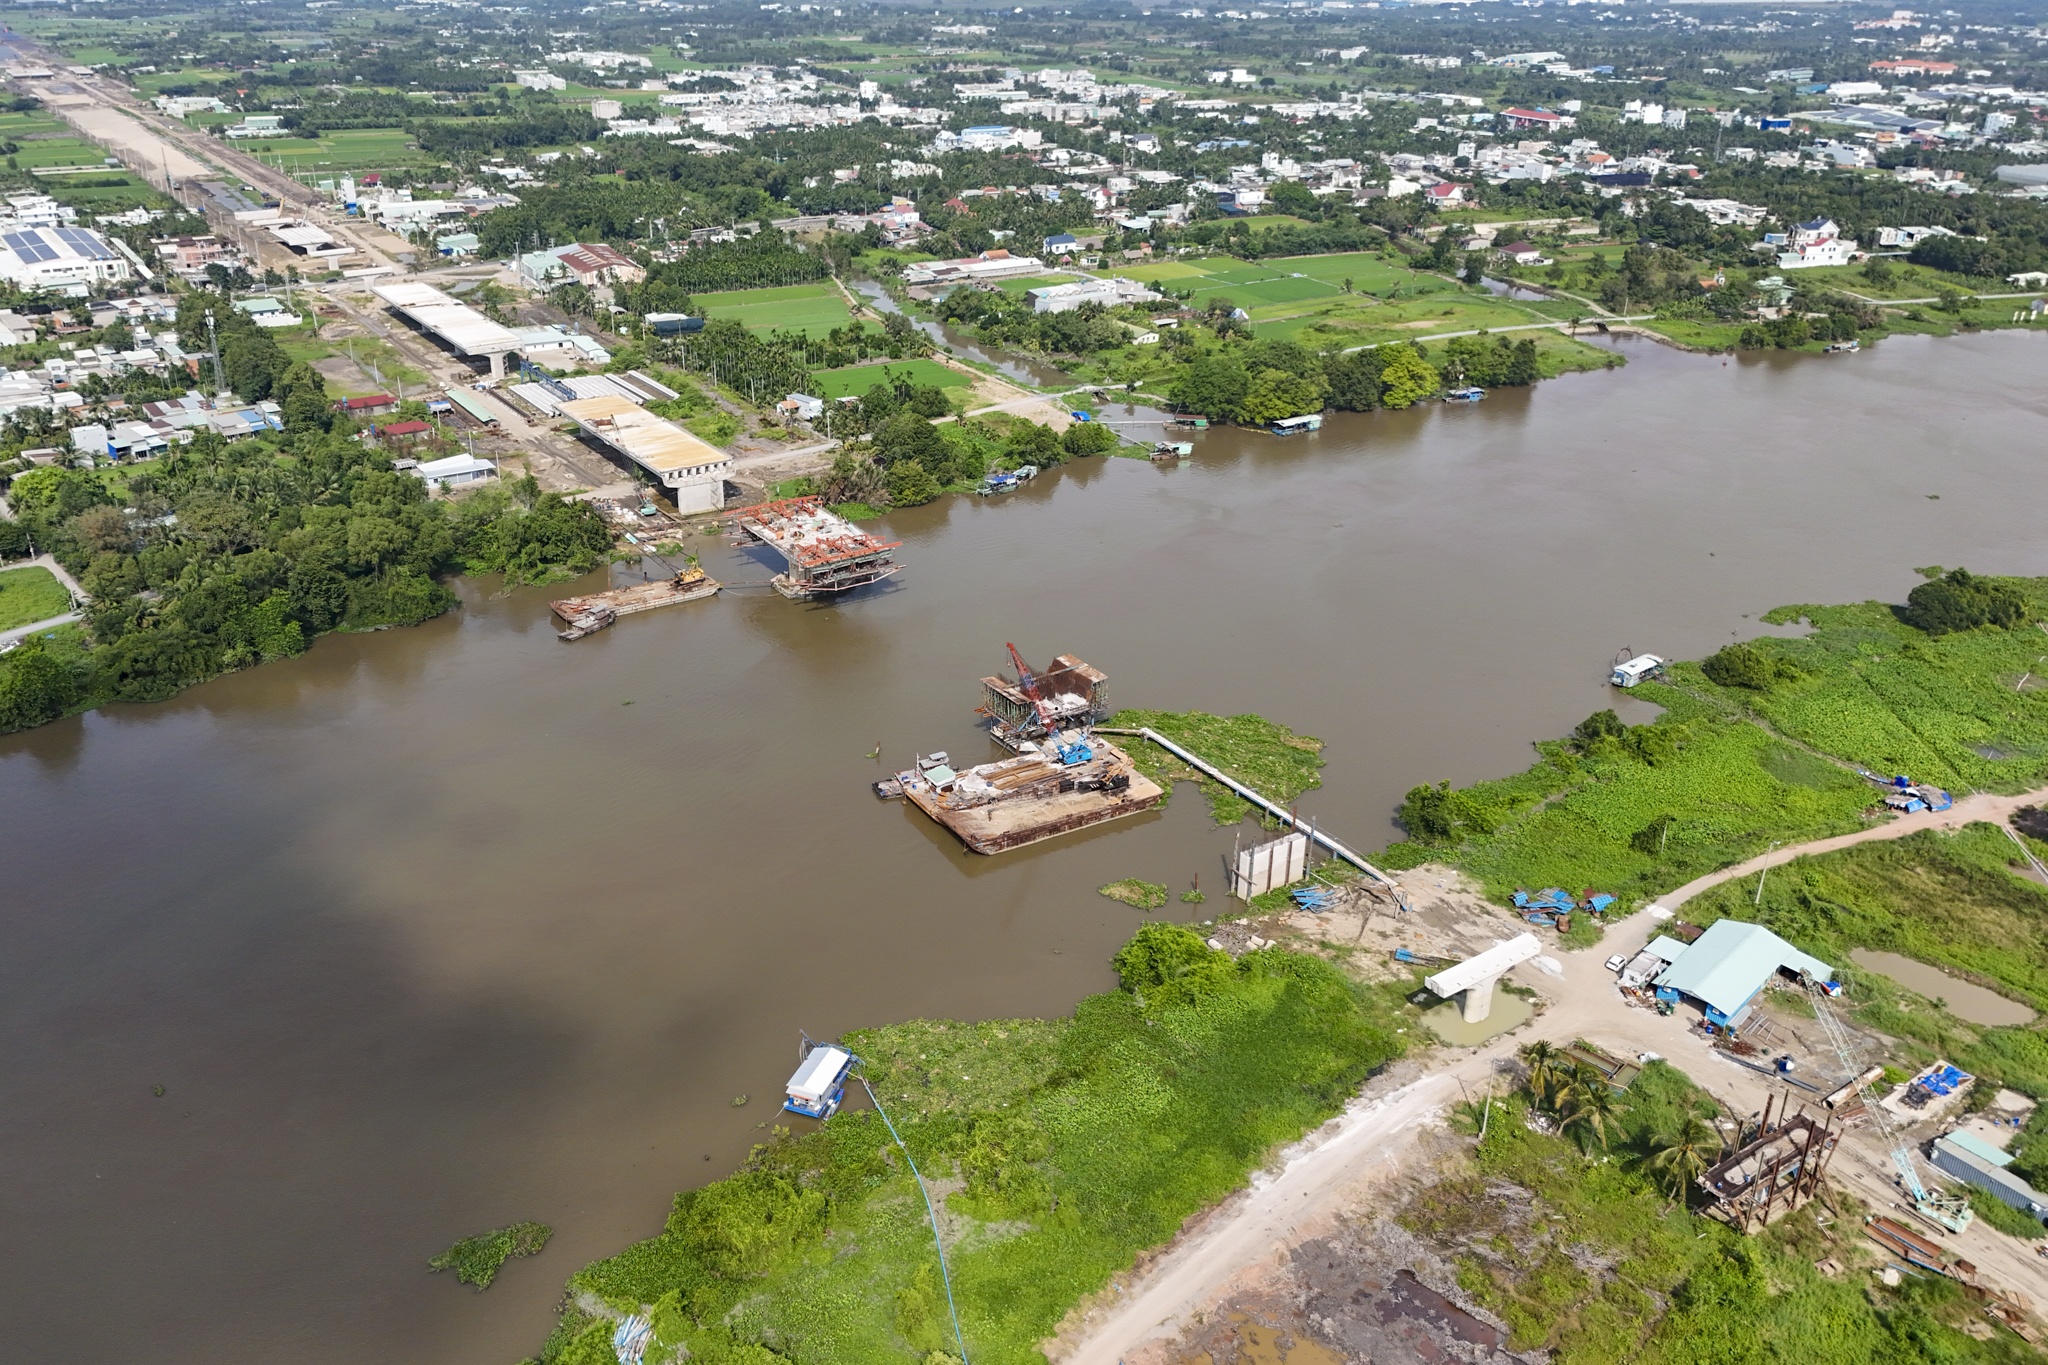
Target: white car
{"x": 1616, "y": 963}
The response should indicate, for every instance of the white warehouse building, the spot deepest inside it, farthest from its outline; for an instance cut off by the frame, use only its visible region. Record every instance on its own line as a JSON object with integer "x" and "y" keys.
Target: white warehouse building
{"x": 62, "y": 259}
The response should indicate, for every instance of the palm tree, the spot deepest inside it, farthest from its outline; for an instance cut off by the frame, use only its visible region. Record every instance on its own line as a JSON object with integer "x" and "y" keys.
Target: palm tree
{"x": 1587, "y": 1101}
{"x": 1678, "y": 1158}
{"x": 1546, "y": 1069}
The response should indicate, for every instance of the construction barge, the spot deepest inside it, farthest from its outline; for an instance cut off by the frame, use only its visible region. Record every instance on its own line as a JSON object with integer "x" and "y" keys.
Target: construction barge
{"x": 593, "y": 612}
{"x": 1060, "y": 777}
{"x": 824, "y": 553}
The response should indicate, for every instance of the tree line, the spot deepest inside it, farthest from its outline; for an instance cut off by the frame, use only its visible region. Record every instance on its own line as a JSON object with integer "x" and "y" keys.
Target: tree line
{"x": 224, "y": 554}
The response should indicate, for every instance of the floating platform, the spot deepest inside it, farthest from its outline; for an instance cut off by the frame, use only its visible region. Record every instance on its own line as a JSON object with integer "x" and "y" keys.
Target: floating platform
{"x": 589, "y": 614}
{"x": 1000, "y": 806}
{"x": 825, "y": 553}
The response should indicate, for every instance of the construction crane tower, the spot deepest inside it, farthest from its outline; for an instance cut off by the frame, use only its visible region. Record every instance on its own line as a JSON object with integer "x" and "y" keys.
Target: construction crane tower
{"x": 1952, "y": 1211}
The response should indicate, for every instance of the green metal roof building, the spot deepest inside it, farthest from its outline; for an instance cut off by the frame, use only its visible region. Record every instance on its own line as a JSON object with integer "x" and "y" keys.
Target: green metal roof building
{"x": 1725, "y": 969}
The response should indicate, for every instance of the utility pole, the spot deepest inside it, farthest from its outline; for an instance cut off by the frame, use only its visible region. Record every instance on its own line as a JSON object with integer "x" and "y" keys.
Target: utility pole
{"x": 1763, "y": 874}
{"x": 213, "y": 346}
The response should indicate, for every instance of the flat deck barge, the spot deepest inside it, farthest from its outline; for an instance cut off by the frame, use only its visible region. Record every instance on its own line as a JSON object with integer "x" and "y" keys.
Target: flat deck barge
{"x": 592, "y": 612}
{"x": 1000, "y": 806}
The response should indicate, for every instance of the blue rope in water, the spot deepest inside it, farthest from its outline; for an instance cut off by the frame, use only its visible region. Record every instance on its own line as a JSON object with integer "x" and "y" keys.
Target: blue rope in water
{"x": 944, "y": 1274}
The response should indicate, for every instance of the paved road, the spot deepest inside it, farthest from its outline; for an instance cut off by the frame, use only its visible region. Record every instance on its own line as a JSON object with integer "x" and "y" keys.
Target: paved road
{"x": 8, "y": 637}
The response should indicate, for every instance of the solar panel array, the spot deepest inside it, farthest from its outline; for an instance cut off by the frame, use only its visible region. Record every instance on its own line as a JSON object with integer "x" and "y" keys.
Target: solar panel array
{"x": 84, "y": 243}
{"x": 34, "y": 248}
{"x": 30, "y": 246}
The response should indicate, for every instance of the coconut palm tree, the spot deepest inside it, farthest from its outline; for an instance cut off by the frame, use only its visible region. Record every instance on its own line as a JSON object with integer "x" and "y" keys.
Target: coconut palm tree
{"x": 1586, "y": 1101}
{"x": 1677, "y": 1158}
{"x": 1546, "y": 1069}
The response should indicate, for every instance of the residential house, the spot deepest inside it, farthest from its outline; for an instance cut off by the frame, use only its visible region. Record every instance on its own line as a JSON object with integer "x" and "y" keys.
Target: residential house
{"x": 368, "y": 405}
{"x": 1815, "y": 243}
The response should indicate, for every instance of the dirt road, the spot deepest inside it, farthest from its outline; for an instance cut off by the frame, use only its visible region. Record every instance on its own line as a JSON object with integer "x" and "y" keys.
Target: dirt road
{"x": 1314, "y": 1181}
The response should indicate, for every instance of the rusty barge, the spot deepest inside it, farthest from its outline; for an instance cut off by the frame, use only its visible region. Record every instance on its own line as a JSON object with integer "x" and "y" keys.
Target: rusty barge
{"x": 588, "y": 614}
{"x": 1033, "y": 796}
{"x": 1061, "y": 778}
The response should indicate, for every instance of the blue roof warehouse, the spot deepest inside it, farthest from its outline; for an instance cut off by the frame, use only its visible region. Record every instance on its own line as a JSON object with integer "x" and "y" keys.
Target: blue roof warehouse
{"x": 1728, "y": 966}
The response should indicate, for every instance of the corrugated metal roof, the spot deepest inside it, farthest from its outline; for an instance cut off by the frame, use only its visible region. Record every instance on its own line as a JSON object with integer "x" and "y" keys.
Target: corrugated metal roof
{"x": 658, "y": 445}
{"x": 1979, "y": 1148}
{"x": 1731, "y": 961}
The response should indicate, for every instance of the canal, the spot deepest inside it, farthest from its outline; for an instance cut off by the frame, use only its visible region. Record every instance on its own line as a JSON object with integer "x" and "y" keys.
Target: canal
{"x": 434, "y": 930}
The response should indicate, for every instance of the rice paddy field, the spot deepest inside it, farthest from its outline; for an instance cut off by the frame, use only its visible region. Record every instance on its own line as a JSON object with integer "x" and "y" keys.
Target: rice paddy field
{"x": 861, "y": 378}
{"x": 813, "y": 309}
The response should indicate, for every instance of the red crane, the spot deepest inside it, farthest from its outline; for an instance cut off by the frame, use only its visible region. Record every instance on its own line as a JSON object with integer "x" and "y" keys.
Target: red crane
{"x": 1028, "y": 683}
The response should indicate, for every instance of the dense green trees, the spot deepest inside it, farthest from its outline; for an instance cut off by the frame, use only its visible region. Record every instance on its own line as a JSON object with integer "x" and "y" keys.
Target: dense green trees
{"x": 222, "y": 555}
{"x": 1960, "y": 600}
{"x": 1490, "y": 362}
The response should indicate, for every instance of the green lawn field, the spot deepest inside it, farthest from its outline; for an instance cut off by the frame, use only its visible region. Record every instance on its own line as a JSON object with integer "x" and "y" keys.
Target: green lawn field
{"x": 31, "y": 594}
{"x": 861, "y": 378}
{"x": 813, "y": 309}
{"x": 344, "y": 149}
{"x": 59, "y": 151}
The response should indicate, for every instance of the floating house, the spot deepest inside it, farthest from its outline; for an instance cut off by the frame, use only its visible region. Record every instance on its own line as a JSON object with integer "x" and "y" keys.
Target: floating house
{"x": 819, "y": 1085}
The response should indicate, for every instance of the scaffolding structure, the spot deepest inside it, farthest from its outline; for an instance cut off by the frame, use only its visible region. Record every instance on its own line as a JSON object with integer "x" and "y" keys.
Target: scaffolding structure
{"x": 825, "y": 553}
{"x": 1773, "y": 1167}
{"x": 1069, "y": 695}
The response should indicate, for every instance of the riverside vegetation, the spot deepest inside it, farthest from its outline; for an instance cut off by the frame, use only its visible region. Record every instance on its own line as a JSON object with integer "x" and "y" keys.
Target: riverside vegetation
{"x": 1760, "y": 744}
{"x": 220, "y": 555}
{"x": 1056, "y": 1149}
{"x": 477, "y": 1260}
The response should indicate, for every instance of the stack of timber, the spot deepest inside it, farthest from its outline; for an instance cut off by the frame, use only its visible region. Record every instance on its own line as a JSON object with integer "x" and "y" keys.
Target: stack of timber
{"x": 589, "y": 614}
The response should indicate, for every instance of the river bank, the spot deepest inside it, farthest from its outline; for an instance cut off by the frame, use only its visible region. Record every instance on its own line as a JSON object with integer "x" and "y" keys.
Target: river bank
{"x": 1860, "y": 668}
{"x": 427, "y": 931}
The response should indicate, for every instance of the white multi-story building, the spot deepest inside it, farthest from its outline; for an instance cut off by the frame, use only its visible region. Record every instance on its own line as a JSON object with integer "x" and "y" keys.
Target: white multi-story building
{"x": 1816, "y": 243}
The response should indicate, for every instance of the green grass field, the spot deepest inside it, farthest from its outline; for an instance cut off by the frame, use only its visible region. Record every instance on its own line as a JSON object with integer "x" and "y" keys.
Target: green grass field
{"x": 59, "y": 151}
{"x": 31, "y": 594}
{"x": 344, "y": 149}
{"x": 861, "y": 378}
{"x": 813, "y": 309}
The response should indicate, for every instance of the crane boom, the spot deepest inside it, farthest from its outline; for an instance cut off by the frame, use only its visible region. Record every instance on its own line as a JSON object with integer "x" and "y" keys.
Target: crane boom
{"x": 1947, "y": 1209}
{"x": 1028, "y": 683}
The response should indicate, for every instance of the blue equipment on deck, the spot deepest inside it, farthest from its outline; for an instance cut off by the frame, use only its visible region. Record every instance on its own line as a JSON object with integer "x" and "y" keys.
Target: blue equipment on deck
{"x": 1076, "y": 751}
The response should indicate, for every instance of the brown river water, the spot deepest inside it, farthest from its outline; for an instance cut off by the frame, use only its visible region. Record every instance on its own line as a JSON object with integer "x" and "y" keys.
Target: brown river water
{"x": 431, "y": 930}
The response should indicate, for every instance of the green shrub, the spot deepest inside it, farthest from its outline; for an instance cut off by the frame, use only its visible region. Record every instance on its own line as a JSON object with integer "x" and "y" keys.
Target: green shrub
{"x": 476, "y": 1260}
{"x": 1744, "y": 665}
{"x": 740, "y": 1227}
{"x": 1959, "y": 600}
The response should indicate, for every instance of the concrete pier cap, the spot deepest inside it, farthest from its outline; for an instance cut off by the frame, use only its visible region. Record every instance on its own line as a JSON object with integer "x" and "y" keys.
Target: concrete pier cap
{"x": 1474, "y": 977}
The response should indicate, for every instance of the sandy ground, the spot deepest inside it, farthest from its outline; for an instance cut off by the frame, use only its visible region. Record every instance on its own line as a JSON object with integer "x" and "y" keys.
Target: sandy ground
{"x": 1156, "y": 1313}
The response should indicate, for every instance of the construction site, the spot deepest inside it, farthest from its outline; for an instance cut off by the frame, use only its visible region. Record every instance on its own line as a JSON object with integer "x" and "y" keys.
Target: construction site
{"x": 823, "y": 553}
{"x": 1061, "y": 778}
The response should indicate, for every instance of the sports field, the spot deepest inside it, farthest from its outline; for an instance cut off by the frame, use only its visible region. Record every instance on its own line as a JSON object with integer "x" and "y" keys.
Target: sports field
{"x": 343, "y": 149}
{"x": 813, "y": 309}
{"x": 861, "y": 378}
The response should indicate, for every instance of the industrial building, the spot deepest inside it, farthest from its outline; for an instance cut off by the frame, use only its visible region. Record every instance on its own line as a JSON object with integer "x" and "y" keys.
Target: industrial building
{"x": 66, "y": 260}
{"x": 1727, "y": 967}
{"x": 1970, "y": 1159}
